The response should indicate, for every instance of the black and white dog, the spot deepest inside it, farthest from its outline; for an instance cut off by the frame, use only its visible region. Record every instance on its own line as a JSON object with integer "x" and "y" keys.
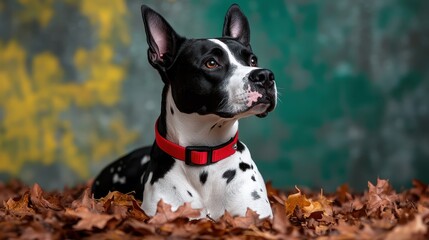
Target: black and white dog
{"x": 196, "y": 157}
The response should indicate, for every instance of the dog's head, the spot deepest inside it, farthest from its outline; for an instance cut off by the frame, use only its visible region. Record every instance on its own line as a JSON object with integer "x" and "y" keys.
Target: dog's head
{"x": 211, "y": 76}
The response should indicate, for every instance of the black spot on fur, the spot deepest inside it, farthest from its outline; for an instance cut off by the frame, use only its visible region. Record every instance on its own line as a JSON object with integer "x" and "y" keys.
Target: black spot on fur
{"x": 255, "y": 195}
{"x": 260, "y": 189}
{"x": 229, "y": 175}
{"x": 190, "y": 194}
{"x": 213, "y": 126}
{"x": 253, "y": 178}
{"x": 243, "y": 166}
{"x": 172, "y": 111}
{"x": 240, "y": 147}
{"x": 174, "y": 187}
{"x": 203, "y": 177}
{"x": 251, "y": 166}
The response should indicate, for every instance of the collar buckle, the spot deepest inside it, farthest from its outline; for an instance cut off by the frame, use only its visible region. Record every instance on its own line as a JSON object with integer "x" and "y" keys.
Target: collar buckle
{"x": 200, "y": 153}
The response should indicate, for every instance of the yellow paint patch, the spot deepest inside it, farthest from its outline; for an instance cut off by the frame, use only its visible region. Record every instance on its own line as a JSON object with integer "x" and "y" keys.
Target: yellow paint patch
{"x": 104, "y": 78}
{"x": 32, "y": 101}
{"x": 109, "y": 18}
{"x": 34, "y": 96}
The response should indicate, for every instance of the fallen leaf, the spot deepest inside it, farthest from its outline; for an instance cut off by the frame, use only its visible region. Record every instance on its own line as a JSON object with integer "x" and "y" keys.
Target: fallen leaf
{"x": 31, "y": 213}
{"x": 20, "y": 206}
{"x": 37, "y": 198}
{"x": 87, "y": 201}
{"x": 251, "y": 218}
{"x": 280, "y": 219}
{"x": 296, "y": 200}
{"x": 409, "y": 230}
{"x": 164, "y": 213}
{"x": 123, "y": 205}
{"x": 88, "y": 219}
{"x": 140, "y": 227}
{"x": 380, "y": 196}
{"x": 343, "y": 193}
{"x": 37, "y": 231}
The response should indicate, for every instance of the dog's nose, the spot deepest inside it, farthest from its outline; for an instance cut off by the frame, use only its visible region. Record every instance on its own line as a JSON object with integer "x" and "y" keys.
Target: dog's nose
{"x": 264, "y": 76}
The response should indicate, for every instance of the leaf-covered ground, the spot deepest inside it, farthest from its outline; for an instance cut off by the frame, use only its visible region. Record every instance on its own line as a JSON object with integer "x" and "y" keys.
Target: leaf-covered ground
{"x": 378, "y": 213}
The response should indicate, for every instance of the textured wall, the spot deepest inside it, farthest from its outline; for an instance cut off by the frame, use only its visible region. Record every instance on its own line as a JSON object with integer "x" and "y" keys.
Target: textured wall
{"x": 76, "y": 90}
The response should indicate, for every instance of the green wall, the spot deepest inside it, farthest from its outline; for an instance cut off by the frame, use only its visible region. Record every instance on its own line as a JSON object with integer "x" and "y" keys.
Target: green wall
{"x": 76, "y": 90}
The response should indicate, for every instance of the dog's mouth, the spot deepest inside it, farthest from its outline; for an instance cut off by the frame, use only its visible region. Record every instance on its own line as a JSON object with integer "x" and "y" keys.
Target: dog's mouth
{"x": 260, "y": 109}
{"x": 255, "y": 101}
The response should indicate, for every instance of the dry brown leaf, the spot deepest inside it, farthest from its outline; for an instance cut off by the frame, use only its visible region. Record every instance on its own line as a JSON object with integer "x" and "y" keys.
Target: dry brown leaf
{"x": 254, "y": 232}
{"x": 309, "y": 207}
{"x": 346, "y": 230}
{"x": 34, "y": 215}
{"x": 409, "y": 230}
{"x": 36, "y": 231}
{"x": 280, "y": 219}
{"x": 164, "y": 213}
{"x": 87, "y": 201}
{"x": 380, "y": 196}
{"x": 274, "y": 194}
{"x": 343, "y": 193}
{"x": 296, "y": 200}
{"x": 20, "y": 206}
{"x": 251, "y": 218}
{"x": 123, "y": 205}
{"x": 119, "y": 198}
{"x": 37, "y": 198}
{"x": 140, "y": 227}
{"x": 88, "y": 219}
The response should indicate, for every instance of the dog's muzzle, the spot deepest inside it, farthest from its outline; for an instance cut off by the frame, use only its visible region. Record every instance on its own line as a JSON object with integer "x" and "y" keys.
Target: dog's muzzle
{"x": 263, "y": 80}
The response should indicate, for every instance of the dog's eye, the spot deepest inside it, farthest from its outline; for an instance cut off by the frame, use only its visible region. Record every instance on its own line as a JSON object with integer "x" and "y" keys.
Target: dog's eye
{"x": 253, "y": 61}
{"x": 211, "y": 64}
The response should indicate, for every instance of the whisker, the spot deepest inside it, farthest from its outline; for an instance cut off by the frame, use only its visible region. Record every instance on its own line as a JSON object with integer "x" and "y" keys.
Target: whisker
{"x": 279, "y": 94}
{"x": 222, "y": 103}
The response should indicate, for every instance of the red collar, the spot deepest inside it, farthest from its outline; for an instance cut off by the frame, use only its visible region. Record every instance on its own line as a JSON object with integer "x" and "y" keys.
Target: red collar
{"x": 196, "y": 155}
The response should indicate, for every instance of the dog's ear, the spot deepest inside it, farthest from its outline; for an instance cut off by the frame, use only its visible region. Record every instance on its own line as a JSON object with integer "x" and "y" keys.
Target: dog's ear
{"x": 163, "y": 41}
{"x": 236, "y": 25}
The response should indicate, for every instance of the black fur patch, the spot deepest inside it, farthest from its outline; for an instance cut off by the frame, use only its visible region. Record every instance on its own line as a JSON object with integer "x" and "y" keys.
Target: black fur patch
{"x": 243, "y": 166}
{"x": 190, "y": 194}
{"x": 130, "y": 167}
{"x": 240, "y": 147}
{"x": 255, "y": 195}
{"x": 203, "y": 177}
{"x": 163, "y": 164}
{"x": 229, "y": 175}
{"x": 253, "y": 178}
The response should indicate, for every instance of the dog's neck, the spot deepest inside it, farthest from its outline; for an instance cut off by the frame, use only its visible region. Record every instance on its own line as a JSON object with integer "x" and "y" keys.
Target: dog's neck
{"x": 194, "y": 129}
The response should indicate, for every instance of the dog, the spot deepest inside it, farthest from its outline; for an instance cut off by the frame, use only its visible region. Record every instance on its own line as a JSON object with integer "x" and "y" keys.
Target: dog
{"x": 209, "y": 84}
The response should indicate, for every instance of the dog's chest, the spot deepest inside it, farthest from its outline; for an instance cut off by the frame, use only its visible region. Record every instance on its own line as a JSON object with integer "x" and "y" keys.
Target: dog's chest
{"x": 234, "y": 184}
